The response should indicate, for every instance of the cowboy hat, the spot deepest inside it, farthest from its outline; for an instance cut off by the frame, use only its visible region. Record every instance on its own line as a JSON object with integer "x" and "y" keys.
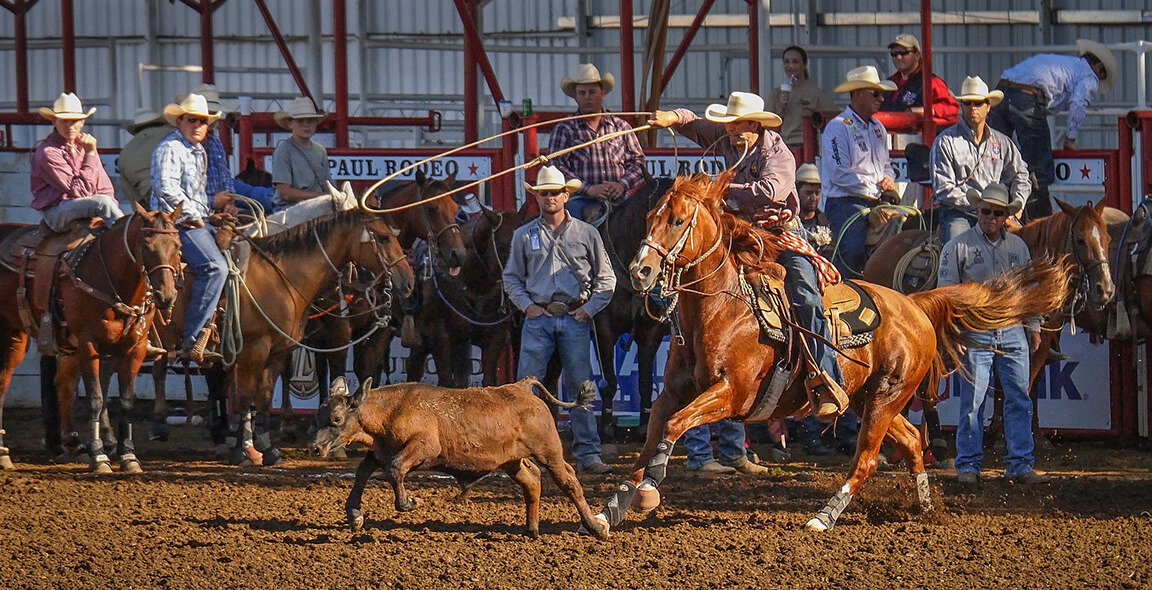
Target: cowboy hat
{"x": 67, "y": 107}
{"x": 865, "y": 77}
{"x": 193, "y": 104}
{"x": 995, "y": 195}
{"x": 974, "y": 88}
{"x": 808, "y": 174}
{"x": 742, "y": 106}
{"x": 302, "y": 107}
{"x": 906, "y": 41}
{"x": 587, "y": 74}
{"x": 1102, "y": 53}
{"x": 143, "y": 118}
{"x": 551, "y": 178}
{"x": 210, "y": 94}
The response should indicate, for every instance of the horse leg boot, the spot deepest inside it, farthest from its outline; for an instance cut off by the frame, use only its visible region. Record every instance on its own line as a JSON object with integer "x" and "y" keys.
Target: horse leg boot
{"x": 5, "y": 459}
{"x": 98, "y": 462}
{"x": 239, "y": 440}
{"x": 644, "y": 497}
{"x": 262, "y": 442}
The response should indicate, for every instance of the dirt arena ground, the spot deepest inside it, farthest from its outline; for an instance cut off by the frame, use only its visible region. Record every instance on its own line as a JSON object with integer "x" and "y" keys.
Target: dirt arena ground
{"x": 190, "y": 522}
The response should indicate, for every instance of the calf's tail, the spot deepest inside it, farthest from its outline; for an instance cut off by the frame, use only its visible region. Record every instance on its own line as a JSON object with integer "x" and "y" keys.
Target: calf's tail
{"x": 584, "y": 400}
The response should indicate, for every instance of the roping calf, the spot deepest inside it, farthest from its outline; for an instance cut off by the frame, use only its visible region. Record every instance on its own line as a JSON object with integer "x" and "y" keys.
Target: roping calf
{"x": 466, "y": 433}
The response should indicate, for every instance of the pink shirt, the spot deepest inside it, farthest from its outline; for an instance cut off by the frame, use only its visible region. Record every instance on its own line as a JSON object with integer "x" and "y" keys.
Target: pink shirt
{"x": 60, "y": 173}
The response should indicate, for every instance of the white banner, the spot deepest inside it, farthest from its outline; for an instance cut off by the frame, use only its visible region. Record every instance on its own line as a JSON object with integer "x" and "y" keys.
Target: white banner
{"x": 377, "y": 167}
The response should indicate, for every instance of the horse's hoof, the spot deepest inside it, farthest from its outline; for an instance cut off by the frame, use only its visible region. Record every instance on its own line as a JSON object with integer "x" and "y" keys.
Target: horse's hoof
{"x": 253, "y": 455}
{"x": 271, "y": 458}
{"x": 100, "y": 465}
{"x": 412, "y": 503}
{"x": 646, "y": 499}
{"x": 239, "y": 458}
{"x": 129, "y": 464}
{"x": 221, "y": 450}
{"x": 355, "y": 521}
{"x": 6, "y": 463}
{"x": 816, "y": 525}
{"x": 600, "y": 528}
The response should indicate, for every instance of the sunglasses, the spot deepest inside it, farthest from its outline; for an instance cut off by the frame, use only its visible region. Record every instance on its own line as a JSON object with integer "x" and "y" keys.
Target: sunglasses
{"x": 973, "y": 103}
{"x": 194, "y": 120}
{"x": 992, "y": 212}
{"x": 896, "y": 54}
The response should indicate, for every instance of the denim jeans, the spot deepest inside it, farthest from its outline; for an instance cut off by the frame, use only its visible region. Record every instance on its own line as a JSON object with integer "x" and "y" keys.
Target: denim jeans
{"x": 541, "y": 336}
{"x": 1026, "y": 115}
{"x": 954, "y": 222}
{"x": 851, "y": 254}
{"x": 200, "y": 252}
{"x": 801, "y": 284}
{"x": 581, "y": 207}
{"x": 1006, "y": 352}
{"x": 698, "y": 441}
{"x": 59, "y": 215}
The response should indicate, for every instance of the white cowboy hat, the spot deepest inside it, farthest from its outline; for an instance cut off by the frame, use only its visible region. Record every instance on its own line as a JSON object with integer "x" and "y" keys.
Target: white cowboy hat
{"x": 974, "y": 88}
{"x": 906, "y": 41}
{"x": 302, "y": 107}
{"x": 742, "y": 106}
{"x": 587, "y": 74}
{"x": 143, "y": 118}
{"x": 808, "y": 174}
{"x": 865, "y": 77}
{"x": 551, "y": 178}
{"x": 995, "y": 195}
{"x": 67, "y": 107}
{"x": 193, "y": 104}
{"x": 1102, "y": 53}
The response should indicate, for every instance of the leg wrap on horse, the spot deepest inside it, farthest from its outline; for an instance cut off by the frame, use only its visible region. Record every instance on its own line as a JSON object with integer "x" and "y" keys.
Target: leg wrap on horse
{"x": 262, "y": 441}
{"x": 923, "y": 492}
{"x": 832, "y": 511}
{"x": 657, "y": 467}
{"x": 96, "y": 446}
{"x": 125, "y": 446}
{"x": 619, "y": 503}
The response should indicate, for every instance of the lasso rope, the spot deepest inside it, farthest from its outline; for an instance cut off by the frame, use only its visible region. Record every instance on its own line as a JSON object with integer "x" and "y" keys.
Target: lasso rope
{"x": 905, "y": 209}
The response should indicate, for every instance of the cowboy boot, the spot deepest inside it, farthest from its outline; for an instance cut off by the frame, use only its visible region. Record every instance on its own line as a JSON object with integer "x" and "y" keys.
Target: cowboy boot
{"x": 199, "y": 352}
{"x": 831, "y": 401}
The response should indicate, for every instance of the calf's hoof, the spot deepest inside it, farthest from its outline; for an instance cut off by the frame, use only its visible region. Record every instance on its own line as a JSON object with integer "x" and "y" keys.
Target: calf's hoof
{"x": 355, "y": 520}
{"x": 599, "y": 527}
{"x": 646, "y": 499}
{"x": 532, "y": 532}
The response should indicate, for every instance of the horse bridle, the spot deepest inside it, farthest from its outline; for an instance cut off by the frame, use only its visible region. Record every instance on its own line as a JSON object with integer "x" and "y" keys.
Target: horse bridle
{"x": 177, "y": 273}
{"x": 1085, "y": 268}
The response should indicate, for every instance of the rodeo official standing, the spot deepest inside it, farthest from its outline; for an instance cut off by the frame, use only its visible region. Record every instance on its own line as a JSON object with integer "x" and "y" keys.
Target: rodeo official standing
{"x": 977, "y": 255}
{"x": 559, "y": 275}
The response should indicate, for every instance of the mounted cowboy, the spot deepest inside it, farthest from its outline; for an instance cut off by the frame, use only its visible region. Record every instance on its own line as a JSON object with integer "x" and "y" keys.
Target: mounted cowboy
{"x": 764, "y": 188}
{"x": 69, "y": 184}
{"x": 610, "y": 170}
{"x": 971, "y": 155}
{"x": 180, "y": 177}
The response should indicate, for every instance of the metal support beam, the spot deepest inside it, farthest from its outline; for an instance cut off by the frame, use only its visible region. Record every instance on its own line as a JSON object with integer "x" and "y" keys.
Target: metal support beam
{"x": 680, "y": 51}
{"x": 627, "y": 59}
{"x": 207, "y": 59}
{"x": 68, "y": 44}
{"x": 284, "y": 52}
{"x": 472, "y": 37}
{"x": 340, "y": 56}
{"x": 928, "y": 126}
{"x": 20, "y": 9}
{"x": 754, "y": 46}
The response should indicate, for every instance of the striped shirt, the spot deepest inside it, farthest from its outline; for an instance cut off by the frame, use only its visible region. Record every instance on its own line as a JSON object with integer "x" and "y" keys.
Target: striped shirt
{"x": 618, "y": 160}
{"x": 179, "y": 176}
{"x": 219, "y": 176}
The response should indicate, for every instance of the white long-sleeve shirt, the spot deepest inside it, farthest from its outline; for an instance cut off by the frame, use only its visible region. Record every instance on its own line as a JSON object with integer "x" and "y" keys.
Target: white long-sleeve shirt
{"x": 1068, "y": 83}
{"x": 854, "y": 157}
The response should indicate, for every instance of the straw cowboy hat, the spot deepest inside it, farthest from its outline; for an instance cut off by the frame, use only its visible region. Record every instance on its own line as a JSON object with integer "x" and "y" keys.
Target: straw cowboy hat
{"x": 587, "y": 74}
{"x": 808, "y": 174}
{"x": 865, "y": 77}
{"x": 1102, "y": 53}
{"x": 742, "y": 106}
{"x": 193, "y": 104}
{"x": 974, "y": 88}
{"x": 906, "y": 41}
{"x": 67, "y": 107}
{"x": 995, "y": 195}
{"x": 551, "y": 179}
{"x": 302, "y": 107}
{"x": 143, "y": 118}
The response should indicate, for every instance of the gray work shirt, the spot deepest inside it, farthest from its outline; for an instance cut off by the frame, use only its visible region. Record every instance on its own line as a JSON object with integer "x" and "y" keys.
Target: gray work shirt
{"x": 972, "y": 258}
{"x": 305, "y": 168}
{"x": 958, "y": 164}
{"x": 568, "y": 265}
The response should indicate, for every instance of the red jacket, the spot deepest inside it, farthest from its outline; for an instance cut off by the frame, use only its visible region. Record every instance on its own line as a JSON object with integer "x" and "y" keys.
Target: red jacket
{"x": 909, "y": 93}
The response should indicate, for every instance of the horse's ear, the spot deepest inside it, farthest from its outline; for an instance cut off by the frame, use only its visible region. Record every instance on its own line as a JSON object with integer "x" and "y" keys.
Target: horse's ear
{"x": 178, "y": 212}
{"x": 451, "y": 179}
{"x": 139, "y": 209}
{"x": 421, "y": 178}
{"x": 1068, "y": 210}
{"x": 250, "y": 167}
{"x": 719, "y": 187}
{"x": 1100, "y": 206}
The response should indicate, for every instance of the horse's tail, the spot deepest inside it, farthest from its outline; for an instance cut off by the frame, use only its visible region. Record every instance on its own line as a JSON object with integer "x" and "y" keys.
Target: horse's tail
{"x": 1038, "y": 288}
{"x": 584, "y": 400}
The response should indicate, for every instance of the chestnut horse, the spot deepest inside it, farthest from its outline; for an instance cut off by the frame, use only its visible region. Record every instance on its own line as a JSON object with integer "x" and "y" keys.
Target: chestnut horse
{"x": 470, "y": 308}
{"x": 110, "y": 292}
{"x": 719, "y": 362}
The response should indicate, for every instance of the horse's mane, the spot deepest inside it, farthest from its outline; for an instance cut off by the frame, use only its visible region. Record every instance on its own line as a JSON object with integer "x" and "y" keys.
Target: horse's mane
{"x": 298, "y": 238}
{"x": 1036, "y": 232}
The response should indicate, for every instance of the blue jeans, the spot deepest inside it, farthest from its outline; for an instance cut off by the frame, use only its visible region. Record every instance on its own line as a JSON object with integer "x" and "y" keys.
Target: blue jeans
{"x": 58, "y": 216}
{"x": 954, "y": 222}
{"x": 578, "y": 207}
{"x": 539, "y": 338}
{"x": 1006, "y": 352}
{"x": 801, "y": 284}
{"x": 851, "y": 254}
{"x": 200, "y": 252}
{"x": 698, "y": 441}
{"x": 1026, "y": 115}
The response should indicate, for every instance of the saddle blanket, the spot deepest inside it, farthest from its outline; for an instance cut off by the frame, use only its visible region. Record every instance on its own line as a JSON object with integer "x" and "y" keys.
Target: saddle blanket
{"x": 851, "y": 311}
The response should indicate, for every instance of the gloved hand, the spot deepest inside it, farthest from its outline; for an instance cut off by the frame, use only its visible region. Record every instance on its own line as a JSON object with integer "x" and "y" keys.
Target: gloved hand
{"x": 890, "y": 197}
{"x": 774, "y": 219}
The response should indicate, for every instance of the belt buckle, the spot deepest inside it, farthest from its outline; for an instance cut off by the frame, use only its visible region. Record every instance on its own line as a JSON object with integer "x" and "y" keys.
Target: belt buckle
{"x": 557, "y": 308}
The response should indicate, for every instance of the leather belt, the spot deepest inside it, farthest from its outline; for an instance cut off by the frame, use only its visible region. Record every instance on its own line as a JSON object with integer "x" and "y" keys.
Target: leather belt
{"x": 1025, "y": 88}
{"x": 561, "y": 308}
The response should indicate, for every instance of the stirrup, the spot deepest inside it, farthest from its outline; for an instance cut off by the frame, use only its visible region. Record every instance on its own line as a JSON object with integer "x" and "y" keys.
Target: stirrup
{"x": 829, "y": 399}
{"x": 199, "y": 352}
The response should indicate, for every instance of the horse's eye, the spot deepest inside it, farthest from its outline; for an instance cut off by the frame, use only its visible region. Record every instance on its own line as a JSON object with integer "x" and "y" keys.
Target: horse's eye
{"x": 676, "y": 222}
{"x": 382, "y": 239}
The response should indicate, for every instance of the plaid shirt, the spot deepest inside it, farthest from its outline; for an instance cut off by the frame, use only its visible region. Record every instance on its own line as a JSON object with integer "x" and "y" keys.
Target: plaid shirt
{"x": 619, "y": 160}
{"x": 219, "y": 176}
{"x": 179, "y": 175}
